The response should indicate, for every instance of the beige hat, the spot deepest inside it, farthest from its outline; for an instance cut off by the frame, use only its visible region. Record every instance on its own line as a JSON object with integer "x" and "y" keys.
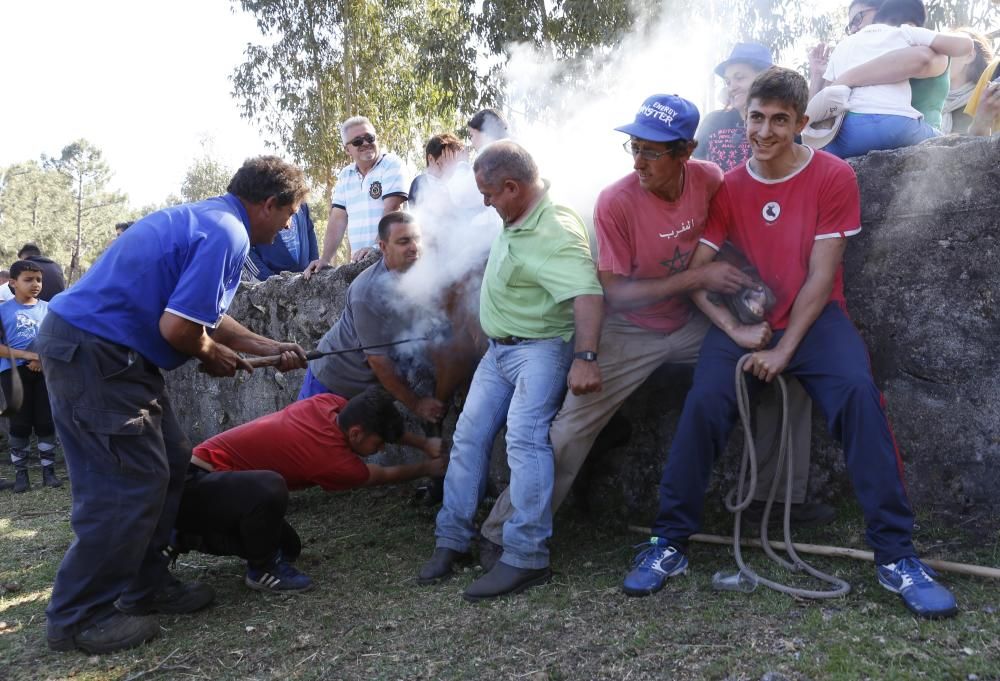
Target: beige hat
{"x": 826, "y": 113}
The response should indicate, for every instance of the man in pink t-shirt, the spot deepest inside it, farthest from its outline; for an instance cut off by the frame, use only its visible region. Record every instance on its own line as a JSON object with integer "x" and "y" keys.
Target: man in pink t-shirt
{"x": 648, "y": 225}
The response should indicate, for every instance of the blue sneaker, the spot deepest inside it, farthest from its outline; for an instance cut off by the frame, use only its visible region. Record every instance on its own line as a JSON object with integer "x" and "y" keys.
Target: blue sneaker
{"x": 277, "y": 576}
{"x": 914, "y": 582}
{"x": 657, "y": 562}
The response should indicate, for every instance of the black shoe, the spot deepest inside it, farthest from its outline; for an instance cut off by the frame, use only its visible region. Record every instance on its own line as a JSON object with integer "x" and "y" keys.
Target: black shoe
{"x": 116, "y": 632}
{"x": 5, "y": 484}
{"x": 489, "y": 553}
{"x": 438, "y": 568}
{"x": 49, "y": 478}
{"x": 807, "y": 514}
{"x": 505, "y": 579}
{"x": 21, "y": 483}
{"x": 176, "y": 598}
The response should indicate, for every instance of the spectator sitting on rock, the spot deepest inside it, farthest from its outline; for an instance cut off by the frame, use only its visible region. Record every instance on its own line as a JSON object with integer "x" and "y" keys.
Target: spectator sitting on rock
{"x": 722, "y": 136}
{"x": 236, "y": 490}
{"x": 52, "y": 274}
{"x": 965, "y": 73}
{"x": 882, "y": 111}
{"x": 292, "y": 251}
{"x": 984, "y": 104}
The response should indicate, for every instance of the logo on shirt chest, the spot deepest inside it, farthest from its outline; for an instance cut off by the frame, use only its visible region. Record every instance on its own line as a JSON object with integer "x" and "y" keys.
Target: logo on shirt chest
{"x": 375, "y": 190}
{"x": 678, "y": 263}
{"x": 771, "y": 211}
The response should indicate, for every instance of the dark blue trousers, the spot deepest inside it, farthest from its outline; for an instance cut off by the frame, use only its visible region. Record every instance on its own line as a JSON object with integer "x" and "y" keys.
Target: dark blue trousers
{"x": 833, "y": 366}
{"x": 126, "y": 457}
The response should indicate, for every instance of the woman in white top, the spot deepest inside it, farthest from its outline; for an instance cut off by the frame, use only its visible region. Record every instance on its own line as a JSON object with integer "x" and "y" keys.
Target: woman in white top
{"x": 881, "y": 115}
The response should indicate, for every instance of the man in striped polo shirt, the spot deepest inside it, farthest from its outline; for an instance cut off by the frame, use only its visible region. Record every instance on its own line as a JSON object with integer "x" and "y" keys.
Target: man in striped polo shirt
{"x": 373, "y": 185}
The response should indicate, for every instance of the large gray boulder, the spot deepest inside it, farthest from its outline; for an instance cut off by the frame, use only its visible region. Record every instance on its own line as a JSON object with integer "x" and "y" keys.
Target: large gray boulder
{"x": 923, "y": 286}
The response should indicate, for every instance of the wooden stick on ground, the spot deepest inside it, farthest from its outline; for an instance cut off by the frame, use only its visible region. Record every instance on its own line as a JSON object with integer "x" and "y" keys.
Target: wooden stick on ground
{"x": 839, "y": 552}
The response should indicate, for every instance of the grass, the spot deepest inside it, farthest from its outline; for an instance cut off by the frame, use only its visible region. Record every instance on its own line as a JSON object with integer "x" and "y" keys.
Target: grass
{"x": 367, "y": 619}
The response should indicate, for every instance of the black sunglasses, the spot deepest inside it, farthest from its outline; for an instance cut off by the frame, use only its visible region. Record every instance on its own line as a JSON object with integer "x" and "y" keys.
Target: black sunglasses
{"x": 367, "y": 138}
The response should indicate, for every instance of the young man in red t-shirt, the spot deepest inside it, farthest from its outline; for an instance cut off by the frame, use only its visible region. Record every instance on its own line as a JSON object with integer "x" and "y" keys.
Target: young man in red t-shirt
{"x": 236, "y": 491}
{"x": 790, "y": 210}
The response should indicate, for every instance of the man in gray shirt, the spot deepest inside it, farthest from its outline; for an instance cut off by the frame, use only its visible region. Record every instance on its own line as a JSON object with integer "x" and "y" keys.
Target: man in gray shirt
{"x": 374, "y": 315}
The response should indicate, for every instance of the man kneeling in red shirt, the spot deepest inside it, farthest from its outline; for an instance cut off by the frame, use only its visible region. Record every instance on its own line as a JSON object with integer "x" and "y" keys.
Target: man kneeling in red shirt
{"x": 236, "y": 491}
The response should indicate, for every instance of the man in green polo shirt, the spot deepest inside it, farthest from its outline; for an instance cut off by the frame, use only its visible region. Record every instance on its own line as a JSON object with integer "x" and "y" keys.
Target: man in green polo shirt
{"x": 542, "y": 307}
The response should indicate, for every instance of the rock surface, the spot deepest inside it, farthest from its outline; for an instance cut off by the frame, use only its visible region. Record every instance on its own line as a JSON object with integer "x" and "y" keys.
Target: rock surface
{"x": 923, "y": 287}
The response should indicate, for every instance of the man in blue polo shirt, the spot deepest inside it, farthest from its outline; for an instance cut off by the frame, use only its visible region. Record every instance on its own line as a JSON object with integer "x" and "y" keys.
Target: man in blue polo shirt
{"x": 155, "y": 298}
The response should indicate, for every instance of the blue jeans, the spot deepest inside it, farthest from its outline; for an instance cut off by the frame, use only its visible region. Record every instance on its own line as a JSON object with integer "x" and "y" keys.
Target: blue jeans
{"x": 861, "y": 133}
{"x": 832, "y": 364}
{"x": 522, "y": 385}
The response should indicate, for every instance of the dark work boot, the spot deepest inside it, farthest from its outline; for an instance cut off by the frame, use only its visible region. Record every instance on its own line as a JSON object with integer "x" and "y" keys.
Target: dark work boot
{"x": 113, "y": 633}
{"x": 439, "y": 567}
{"x": 21, "y": 483}
{"x": 5, "y": 484}
{"x": 49, "y": 477}
{"x": 505, "y": 579}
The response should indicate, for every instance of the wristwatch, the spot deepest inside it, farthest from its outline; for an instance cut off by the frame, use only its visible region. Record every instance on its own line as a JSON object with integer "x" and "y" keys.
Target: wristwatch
{"x": 586, "y": 356}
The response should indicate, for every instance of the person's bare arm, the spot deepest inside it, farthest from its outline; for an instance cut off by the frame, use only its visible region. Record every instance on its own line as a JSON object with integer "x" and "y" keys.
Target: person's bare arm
{"x": 625, "y": 294}
{"x": 827, "y": 254}
{"x": 909, "y": 62}
{"x": 987, "y": 112}
{"x": 895, "y": 66}
{"x": 6, "y": 351}
{"x": 750, "y": 337}
{"x": 588, "y": 316}
{"x": 191, "y": 339}
{"x": 427, "y": 408}
{"x": 336, "y": 227}
{"x": 392, "y": 203}
{"x": 430, "y": 446}
{"x": 389, "y": 475}
{"x": 231, "y": 333}
{"x": 819, "y": 58}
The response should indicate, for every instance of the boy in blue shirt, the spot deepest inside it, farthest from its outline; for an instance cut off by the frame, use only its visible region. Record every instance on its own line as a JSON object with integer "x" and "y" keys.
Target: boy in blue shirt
{"x": 21, "y": 317}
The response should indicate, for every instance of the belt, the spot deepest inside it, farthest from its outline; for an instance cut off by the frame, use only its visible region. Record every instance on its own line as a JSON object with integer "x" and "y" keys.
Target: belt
{"x": 509, "y": 340}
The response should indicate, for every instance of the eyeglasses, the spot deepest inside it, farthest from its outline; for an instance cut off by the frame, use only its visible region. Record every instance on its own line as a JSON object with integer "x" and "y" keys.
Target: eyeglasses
{"x": 633, "y": 150}
{"x": 360, "y": 140}
{"x": 854, "y": 25}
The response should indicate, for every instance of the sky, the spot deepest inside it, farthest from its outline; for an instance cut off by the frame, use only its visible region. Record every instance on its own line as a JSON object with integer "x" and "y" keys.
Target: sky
{"x": 144, "y": 81}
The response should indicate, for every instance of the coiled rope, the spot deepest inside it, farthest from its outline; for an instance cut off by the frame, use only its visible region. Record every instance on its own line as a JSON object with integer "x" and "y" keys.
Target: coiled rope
{"x": 736, "y": 501}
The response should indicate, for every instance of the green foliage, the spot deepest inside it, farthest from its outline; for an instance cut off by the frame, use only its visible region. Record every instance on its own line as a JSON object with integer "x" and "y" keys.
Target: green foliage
{"x": 62, "y": 204}
{"x": 205, "y": 177}
{"x": 406, "y": 64}
{"x": 83, "y": 167}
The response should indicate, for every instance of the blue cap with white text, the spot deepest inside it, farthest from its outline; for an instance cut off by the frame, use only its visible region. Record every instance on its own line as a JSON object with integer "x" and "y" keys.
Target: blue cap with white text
{"x": 664, "y": 118}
